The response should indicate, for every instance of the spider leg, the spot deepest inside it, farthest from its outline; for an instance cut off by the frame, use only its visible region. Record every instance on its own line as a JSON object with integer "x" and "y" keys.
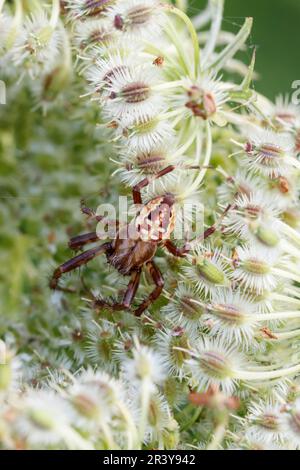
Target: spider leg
{"x": 92, "y": 215}
{"x": 75, "y": 263}
{"x": 183, "y": 251}
{"x": 212, "y": 229}
{"x": 128, "y": 296}
{"x": 175, "y": 251}
{"x": 136, "y": 192}
{"x": 76, "y": 243}
{"x": 158, "y": 281}
{"x": 89, "y": 212}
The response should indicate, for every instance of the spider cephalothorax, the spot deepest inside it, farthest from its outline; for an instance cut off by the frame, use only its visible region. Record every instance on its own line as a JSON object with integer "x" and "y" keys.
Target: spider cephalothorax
{"x": 133, "y": 247}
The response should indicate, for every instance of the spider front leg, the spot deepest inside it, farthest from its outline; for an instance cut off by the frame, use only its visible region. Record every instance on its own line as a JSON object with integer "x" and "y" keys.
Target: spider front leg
{"x": 92, "y": 215}
{"x": 158, "y": 281}
{"x": 136, "y": 192}
{"x": 213, "y": 228}
{"x": 90, "y": 212}
{"x": 128, "y": 296}
{"x": 75, "y": 263}
{"x": 175, "y": 251}
{"x": 187, "y": 247}
{"x": 76, "y": 243}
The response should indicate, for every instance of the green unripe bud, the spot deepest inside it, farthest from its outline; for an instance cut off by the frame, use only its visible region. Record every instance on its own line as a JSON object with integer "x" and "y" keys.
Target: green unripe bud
{"x": 210, "y": 272}
{"x": 229, "y": 313}
{"x": 42, "y": 419}
{"x": 265, "y": 235}
{"x": 215, "y": 365}
{"x": 85, "y": 406}
{"x": 255, "y": 266}
{"x": 179, "y": 357}
{"x": 190, "y": 309}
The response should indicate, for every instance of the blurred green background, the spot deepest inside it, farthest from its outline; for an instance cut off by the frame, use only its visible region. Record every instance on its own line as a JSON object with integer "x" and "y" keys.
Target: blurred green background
{"x": 276, "y": 32}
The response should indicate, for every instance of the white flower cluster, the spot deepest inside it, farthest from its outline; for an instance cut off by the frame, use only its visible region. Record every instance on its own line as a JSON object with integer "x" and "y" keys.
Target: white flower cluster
{"x": 228, "y": 325}
{"x": 90, "y": 410}
{"x": 158, "y": 95}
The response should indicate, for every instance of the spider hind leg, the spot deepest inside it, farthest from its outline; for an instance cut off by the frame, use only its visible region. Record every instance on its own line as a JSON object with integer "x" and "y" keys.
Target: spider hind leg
{"x": 128, "y": 296}
{"x": 159, "y": 283}
{"x": 74, "y": 263}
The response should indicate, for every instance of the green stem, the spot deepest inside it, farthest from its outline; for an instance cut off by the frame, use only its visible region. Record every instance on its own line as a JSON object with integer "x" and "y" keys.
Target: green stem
{"x": 218, "y": 436}
{"x": 285, "y": 298}
{"x": 206, "y": 161}
{"x": 232, "y": 48}
{"x": 181, "y": 4}
{"x": 74, "y": 439}
{"x": 290, "y": 232}
{"x": 275, "y": 316}
{"x": 267, "y": 375}
{"x": 215, "y": 28}
{"x": 171, "y": 33}
{"x": 187, "y": 144}
{"x": 16, "y": 24}
{"x": 286, "y": 275}
{"x": 290, "y": 249}
{"x": 287, "y": 335}
{"x": 193, "y": 33}
{"x": 108, "y": 437}
{"x": 145, "y": 401}
{"x": 171, "y": 114}
{"x": 55, "y": 13}
{"x": 193, "y": 419}
{"x": 67, "y": 52}
{"x": 249, "y": 77}
{"x": 168, "y": 85}
{"x": 132, "y": 439}
{"x": 294, "y": 291}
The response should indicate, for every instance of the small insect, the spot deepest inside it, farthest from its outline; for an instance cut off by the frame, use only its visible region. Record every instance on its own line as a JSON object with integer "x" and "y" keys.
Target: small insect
{"x": 159, "y": 61}
{"x": 131, "y": 251}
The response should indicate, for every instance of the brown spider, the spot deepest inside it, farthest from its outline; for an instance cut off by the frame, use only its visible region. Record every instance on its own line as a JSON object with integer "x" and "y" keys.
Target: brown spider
{"x": 129, "y": 254}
